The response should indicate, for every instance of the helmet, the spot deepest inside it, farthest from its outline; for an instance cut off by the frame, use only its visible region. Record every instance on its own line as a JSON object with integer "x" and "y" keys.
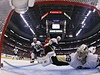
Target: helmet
{"x": 58, "y": 37}
{"x": 82, "y": 52}
{"x": 34, "y": 38}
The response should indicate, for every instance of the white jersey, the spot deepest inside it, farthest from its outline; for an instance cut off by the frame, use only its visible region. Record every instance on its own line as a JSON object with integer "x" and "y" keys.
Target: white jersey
{"x": 36, "y": 45}
{"x": 91, "y": 61}
{"x": 54, "y": 40}
{"x": 15, "y": 50}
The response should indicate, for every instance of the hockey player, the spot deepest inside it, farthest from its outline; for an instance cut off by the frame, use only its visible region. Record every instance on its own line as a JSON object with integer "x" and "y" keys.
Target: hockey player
{"x": 37, "y": 46}
{"x": 46, "y": 41}
{"x": 51, "y": 45}
{"x": 44, "y": 46}
{"x": 81, "y": 59}
{"x": 15, "y": 50}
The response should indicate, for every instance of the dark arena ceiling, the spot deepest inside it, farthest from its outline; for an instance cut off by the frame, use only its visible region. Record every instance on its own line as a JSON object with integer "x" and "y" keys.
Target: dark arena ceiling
{"x": 75, "y": 24}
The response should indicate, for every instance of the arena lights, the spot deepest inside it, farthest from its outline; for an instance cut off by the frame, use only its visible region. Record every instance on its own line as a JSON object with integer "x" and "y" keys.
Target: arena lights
{"x": 19, "y": 43}
{"x": 55, "y": 12}
{"x": 12, "y": 31}
{"x": 83, "y": 25}
{"x": 86, "y": 17}
{"x": 44, "y": 15}
{"x": 84, "y": 21}
{"x": 69, "y": 35}
{"x": 94, "y": 10}
{"x": 88, "y": 13}
{"x": 19, "y": 36}
{"x": 67, "y": 15}
{"x": 5, "y": 35}
{"x": 60, "y": 31}
{"x": 27, "y": 24}
{"x": 41, "y": 36}
{"x": 98, "y": 45}
{"x": 93, "y": 43}
{"x": 12, "y": 39}
{"x": 84, "y": 39}
{"x": 78, "y": 32}
{"x": 24, "y": 38}
{"x": 10, "y": 44}
{"x": 98, "y": 40}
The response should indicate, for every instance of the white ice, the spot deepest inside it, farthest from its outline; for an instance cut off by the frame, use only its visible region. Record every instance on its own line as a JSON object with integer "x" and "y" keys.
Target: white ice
{"x": 23, "y": 67}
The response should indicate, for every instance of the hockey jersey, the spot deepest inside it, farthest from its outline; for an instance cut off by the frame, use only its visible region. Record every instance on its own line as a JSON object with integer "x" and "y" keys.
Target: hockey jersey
{"x": 91, "y": 61}
{"x": 37, "y": 45}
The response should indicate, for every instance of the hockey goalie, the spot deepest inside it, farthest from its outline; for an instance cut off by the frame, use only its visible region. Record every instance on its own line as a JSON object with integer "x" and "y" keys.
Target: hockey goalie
{"x": 81, "y": 59}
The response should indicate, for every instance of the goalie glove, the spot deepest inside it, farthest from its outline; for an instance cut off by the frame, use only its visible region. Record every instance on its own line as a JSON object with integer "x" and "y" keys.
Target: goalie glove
{"x": 98, "y": 59}
{"x": 68, "y": 58}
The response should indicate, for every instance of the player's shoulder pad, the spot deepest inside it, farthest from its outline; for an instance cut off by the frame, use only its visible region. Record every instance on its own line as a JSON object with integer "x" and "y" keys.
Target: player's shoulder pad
{"x": 38, "y": 42}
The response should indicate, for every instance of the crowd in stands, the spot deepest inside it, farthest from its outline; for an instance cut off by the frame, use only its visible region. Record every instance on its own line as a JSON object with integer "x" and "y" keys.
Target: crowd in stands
{"x": 26, "y": 53}
{"x": 6, "y": 49}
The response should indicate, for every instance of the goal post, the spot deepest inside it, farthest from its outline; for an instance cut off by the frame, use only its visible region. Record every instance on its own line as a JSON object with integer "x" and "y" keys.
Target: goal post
{"x": 3, "y": 32}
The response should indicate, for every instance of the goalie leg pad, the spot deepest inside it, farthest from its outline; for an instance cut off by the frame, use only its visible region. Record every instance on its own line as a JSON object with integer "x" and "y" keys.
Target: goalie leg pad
{"x": 46, "y": 60}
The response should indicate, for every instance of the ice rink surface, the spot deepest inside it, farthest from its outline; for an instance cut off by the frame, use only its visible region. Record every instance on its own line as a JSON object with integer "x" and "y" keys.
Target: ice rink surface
{"x": 22, "y": 67}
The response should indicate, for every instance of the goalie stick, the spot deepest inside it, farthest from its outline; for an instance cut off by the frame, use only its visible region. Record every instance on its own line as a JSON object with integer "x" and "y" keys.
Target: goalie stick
{"x": 20, "y": 66}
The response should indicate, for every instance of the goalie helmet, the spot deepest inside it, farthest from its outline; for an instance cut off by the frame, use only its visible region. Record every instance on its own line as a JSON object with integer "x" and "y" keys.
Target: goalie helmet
{"x": 82, "y": 52}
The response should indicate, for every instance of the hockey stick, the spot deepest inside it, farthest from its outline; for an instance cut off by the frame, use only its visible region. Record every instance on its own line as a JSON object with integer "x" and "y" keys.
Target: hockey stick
{"x": 20, "y": 66}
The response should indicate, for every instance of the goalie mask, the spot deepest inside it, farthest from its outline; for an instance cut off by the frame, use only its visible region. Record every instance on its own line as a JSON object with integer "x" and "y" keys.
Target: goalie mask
{"x": 82, "y": 52}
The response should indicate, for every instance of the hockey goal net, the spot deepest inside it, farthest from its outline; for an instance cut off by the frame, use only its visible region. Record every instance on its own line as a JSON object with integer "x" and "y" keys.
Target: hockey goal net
{"x": 88, "y": 2}
{"x": 94, "y": 3}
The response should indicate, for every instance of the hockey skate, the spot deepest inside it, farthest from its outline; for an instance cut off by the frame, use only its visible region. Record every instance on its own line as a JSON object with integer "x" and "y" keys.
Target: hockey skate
{"x": 32, "y": 61}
